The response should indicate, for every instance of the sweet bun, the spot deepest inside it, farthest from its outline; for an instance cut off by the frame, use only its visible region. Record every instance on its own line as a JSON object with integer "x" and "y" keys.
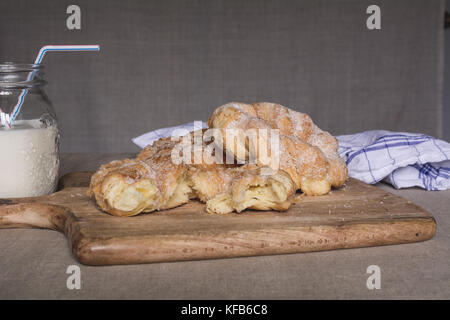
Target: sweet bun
{"x": 152, "y": 181}
{"x": 307, "y": 153}
{"x": 305, "y": 158}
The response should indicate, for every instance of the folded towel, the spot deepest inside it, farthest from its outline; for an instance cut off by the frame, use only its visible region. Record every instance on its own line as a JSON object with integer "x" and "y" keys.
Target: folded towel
{"x": 150, "y": 137}
{"x": 399, "y": 158}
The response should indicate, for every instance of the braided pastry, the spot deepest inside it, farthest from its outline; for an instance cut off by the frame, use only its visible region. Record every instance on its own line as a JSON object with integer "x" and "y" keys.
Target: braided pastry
{"x": 307, "y": 159}
{"x": 131, "y": 186}
{"x": 226, "y": 189}
{"x": 307, "y": 153}
{"x": 153, "y": 181}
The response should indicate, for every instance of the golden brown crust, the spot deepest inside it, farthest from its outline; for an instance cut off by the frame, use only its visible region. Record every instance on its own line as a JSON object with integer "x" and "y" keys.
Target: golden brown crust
{"x": 307, "y": 153}
{"x": 147, "y": 183}
{"x": 153, "y": 181}
{"x": 308, "y": 160}
{"x": 226, "y": 189}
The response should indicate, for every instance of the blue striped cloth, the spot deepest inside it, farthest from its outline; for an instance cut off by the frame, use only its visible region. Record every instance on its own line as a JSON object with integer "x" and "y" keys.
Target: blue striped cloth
{"x": 399, "y": 158}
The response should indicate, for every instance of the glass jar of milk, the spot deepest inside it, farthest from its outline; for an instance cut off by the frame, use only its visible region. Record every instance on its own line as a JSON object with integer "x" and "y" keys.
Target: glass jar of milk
{"x": 29, "y": 138}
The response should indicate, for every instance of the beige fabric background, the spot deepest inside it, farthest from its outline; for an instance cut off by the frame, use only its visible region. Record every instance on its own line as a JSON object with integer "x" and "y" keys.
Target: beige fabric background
{"x": 169, "y": 62}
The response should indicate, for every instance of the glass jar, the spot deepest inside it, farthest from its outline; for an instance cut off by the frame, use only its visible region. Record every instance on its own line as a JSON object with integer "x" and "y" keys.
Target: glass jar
{"x": 29, "y": 135}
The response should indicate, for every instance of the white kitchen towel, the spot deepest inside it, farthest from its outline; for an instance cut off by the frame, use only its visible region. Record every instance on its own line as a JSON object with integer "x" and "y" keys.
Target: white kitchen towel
{"x": 400, "y": 158}
{"x": 149, "y": 137}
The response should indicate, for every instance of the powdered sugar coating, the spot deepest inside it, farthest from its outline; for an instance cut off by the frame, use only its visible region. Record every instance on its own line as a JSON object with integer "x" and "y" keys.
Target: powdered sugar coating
{"x": 306, "y": 151}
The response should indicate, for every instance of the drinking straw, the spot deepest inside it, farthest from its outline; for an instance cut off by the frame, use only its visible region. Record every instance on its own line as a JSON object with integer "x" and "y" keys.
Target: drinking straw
{"x": 38, "y": 60}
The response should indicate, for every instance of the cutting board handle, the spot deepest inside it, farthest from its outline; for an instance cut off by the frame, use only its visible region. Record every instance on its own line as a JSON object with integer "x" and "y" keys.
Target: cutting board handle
{"x": 29, "y": 213}
{"x": 33, "y": 215}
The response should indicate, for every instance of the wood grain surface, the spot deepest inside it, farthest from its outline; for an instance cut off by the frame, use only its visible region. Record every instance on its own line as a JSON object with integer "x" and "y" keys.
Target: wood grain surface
{"x": 356, "y": 215}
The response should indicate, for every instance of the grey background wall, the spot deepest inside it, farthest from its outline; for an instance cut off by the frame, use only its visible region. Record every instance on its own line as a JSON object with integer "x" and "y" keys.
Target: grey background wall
{"x": 446, "y": 93}
{"x": 168, "y": 62}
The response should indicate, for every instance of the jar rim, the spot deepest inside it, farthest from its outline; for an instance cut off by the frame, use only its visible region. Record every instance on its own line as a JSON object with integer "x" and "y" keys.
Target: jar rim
{"x": 21, "y": 75}
{"x": 12, "y": 67}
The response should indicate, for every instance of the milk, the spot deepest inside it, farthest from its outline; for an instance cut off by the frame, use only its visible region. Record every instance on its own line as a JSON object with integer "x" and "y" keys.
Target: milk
{"x": 29, "y": 160}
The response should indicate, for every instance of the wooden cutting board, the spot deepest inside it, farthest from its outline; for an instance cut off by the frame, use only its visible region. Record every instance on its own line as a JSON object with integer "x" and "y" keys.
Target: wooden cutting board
{"x": 357, "y": 215}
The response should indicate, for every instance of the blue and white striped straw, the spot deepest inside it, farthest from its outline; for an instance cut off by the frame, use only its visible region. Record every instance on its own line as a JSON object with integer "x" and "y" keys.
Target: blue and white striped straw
{"x": 38, "y": 60}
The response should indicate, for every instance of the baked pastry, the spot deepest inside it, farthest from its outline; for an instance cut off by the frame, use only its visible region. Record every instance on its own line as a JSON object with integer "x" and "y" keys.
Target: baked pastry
{"x": 307, "y": 153}
{"x": 154, "y": 181}
{"x": 226, "y": 189}
{"x": 304, "y": 158}
{"x": 131, "y": 186}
